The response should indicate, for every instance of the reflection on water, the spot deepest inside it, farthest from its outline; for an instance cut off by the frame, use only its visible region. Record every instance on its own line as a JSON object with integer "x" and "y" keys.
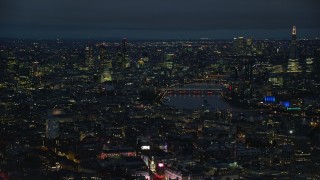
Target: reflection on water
{"x": 196, "y": 101}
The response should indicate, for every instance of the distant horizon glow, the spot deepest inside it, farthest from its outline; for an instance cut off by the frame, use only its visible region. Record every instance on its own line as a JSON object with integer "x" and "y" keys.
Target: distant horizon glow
{"x": 194, "y": 35}
{"x": 143, "y": 19}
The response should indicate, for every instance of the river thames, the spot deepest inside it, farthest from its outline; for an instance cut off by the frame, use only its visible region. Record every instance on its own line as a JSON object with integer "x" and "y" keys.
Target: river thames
{"x": 197, "y": 101}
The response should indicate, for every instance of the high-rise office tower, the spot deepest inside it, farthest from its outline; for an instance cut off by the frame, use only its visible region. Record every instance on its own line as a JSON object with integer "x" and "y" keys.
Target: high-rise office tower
{"x": 239, "y": 45}
{"x": 11, "y": 61}
{"x": 9, "y": 66}
{"x": 124, "y": 53}
{"x": 102, "y": 56}
{"x": 249, "y": 43}
{"x": 248, "y": 69}
{"x": 34, "y": 70}
{"x": 35, "y": 74}
{"x": 122, "y": 60}
{"x": 102, "y": 51}
{"x": 293, "y": 63}
{"x": 89, "y": 56}
{"x": 309, "y": 65}
{"x": 317, "y": 63}
{"x": 293, "y": 44}
{"x": 74, "y": 59}
{"x": 124, "y": 45}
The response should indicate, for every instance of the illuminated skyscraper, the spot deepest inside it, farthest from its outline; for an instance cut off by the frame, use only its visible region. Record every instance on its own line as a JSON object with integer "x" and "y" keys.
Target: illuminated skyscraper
{"x": 124, "y": 53}
{"x": 102, "y": 56}
{"x": 34, "y": 71}
{"x": 10, "y": 67}
{"x": 102, "y": 51}
{"x": 309, "y": 65}
{"x": 11, "y": 61}
{"x": 124, "y": 45}
{"x": 293, "y": 44}
{"x": 317, "y": 63}
{"x": 122, "y": 59}
{"x": 89, "y": 56}
{"x": 239, "y": 45}
{"x": 293, "y": 63}
{"x": 35, "y": 74}
{"x": 248, "y": 69}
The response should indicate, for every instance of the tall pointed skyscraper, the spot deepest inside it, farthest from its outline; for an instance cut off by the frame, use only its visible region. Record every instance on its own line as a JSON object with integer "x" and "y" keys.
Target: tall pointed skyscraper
{"x": 293, "y": 44}
{"x": 124, "y": 52}
{"x": 293, "y": 63}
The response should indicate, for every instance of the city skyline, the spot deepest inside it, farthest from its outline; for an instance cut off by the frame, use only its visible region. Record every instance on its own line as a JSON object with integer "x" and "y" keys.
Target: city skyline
{"x": 180, "y": 89}
{"x": 160, "y": 110}
{"x": 158, "y": 20}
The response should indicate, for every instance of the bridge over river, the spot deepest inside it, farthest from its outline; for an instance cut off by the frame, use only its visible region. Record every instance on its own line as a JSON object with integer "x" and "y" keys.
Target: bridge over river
{"x": 194, "y": 88}
{"x": 183, "y": 90}
{"x": 190, "y": 89}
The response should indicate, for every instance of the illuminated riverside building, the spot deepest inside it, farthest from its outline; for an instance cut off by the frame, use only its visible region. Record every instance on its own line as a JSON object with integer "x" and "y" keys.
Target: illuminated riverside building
{"x": 111, "y": 153}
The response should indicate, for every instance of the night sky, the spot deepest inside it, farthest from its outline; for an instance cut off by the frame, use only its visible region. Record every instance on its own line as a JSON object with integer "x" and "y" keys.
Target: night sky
{"x": 157, "y": 19}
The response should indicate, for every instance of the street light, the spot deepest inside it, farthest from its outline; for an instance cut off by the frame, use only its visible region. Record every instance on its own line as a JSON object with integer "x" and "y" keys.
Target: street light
{"x": 290, "y": 132}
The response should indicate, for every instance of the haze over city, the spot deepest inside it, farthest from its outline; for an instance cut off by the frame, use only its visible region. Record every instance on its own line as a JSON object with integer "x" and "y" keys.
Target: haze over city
{"x": 167, "y": 19}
